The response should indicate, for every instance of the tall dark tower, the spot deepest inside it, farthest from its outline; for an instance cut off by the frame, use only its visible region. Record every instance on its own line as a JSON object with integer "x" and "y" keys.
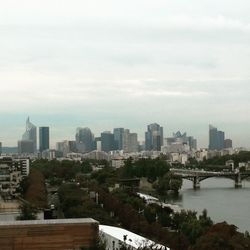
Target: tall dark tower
{"x": 43, "y": 138}
{"x": 84, "y": 140}
{"x": 107, "y": 141}
{"x": 118, "y": 137}
{"x": 154, "y": 137}
{"x": 216, "y": 138}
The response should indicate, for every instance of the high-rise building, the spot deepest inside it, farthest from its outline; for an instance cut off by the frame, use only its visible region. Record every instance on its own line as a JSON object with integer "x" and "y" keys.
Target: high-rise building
{"x": 63, "y": 148}
{"x": 107, "y": 141}
{"x": 84, "y": 140}
{"x": 72, "y": 146}
{"x": 30, "y": 134}
{"x": 182, "y": 139}
{"x": 216, "y": 138}
{"x": 0, "y": 148}
{"x": 25, "y": 147}
{"x": 118, "y": 137}
{"x": 43, "y": 138}
{"x": 154, "y": 137}
{"x": 134, "y": 145}
{"x": 98, "y": 144}
{"x": 228, "y": 143}
{"x": 130, "y": 142}
{"x": 126, "y": 141}
{"x": 221, "y": 139}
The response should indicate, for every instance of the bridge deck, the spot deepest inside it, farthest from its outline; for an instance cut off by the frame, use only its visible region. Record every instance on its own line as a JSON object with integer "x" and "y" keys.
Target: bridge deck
{"x": 200, "y": 173}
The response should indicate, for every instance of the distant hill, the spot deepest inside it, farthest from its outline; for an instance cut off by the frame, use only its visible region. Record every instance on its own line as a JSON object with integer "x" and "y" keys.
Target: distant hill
{"x": 9, "y": 150}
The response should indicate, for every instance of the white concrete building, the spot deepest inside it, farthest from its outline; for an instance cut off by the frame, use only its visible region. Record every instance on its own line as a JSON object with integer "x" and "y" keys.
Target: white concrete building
{"x": 10, "y": 177}
{"x": 117, "y": 162}
{"x": 49, "y": 154}
{"x": 201, "y": 154}
{"x": 96, "y": 155}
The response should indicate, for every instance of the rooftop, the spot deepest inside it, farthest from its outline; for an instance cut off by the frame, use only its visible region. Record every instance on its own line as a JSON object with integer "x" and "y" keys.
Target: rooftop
{"x": 44, "y": 222}
{"x": 132, "y": 239}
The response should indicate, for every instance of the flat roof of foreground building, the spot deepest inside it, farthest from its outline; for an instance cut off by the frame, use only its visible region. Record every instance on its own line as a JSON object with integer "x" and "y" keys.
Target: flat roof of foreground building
{"x": 46, "y": 222}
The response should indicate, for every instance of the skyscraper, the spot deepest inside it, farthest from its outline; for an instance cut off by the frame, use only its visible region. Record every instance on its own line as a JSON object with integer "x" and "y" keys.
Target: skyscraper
{"x": 43, "y": 138}
{"x": 84, "y": 140}
{"x": 30, "y": 134}
{"x": 228, "y": 143}
{"x": 118, "y": 137}
{"x": 154, "y": 137}
{"x": 216, "y": 138}
{"x": 107, "y": 141}
{"x": 180, "y": 138}
{"x": 25, "y": 147}
{"x": 130, "y": 142}
{"x": 0, "y": 148}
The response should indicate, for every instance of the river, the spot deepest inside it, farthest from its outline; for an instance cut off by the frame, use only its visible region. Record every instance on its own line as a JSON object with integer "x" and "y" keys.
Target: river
{"x": 222, "y": 201}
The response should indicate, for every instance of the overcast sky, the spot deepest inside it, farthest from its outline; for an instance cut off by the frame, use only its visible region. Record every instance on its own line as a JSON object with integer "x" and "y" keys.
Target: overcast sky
{"x": 115, "y": 63}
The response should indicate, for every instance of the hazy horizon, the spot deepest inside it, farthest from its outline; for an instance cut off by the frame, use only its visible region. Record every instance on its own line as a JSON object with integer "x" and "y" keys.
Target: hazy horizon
{"x": 106, "y": 64}
{"x": 141, "y": 134}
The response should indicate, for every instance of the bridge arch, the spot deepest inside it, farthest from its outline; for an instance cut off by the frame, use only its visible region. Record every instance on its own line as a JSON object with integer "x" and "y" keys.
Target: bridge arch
{"x": 196, "y": 176}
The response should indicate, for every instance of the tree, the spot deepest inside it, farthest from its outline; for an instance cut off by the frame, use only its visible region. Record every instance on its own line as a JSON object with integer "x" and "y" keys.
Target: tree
{"x": 99, "y": 244}
{"x": 27, "y": 212}
{"x": 168, "y": 182}
{"x": 222, "y": 236}
{"x": 35, "y": 189}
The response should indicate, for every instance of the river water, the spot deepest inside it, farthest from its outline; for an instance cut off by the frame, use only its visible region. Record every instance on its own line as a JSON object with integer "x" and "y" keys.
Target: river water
{"x": 222, "y": 201}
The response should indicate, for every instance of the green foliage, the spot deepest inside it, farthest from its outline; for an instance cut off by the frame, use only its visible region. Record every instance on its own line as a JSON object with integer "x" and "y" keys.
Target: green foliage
{"x": 131, "y": 219}
{"x": 99, "y": 244}
{"x": 27, "y": 212}
{"x": 124, "y": 246}
{"x": 107, "y": 175}
{"x": 127, "y": 197}
{"x": 222, "y": 236}
{"x": 168, "y": 182}
{"x": 75, "y": 203}
{"x": 70, "y": 196}
{"x": 192, "y": 227}
{"x": 86, "y": 167}
{"x": 242, "y": 156}
{"x": 35, "y": 189}
{"x": 150, "y": 168}
{"x": 56, "y": 172}
{"x": 126, "y": 207}
{"x": 150, "y": 214}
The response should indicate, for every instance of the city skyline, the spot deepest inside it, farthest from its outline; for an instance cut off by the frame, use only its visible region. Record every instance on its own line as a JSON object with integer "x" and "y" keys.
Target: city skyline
{"x": 89, "y": 136}
{"x": 126, "y": 64}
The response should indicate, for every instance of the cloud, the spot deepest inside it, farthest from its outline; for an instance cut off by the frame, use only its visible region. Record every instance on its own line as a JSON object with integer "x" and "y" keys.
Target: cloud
{"x": 112, "y": 63}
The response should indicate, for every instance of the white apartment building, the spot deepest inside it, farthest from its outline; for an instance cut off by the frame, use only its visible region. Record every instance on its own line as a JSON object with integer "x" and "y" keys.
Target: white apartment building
{"x": 12, "y": 172}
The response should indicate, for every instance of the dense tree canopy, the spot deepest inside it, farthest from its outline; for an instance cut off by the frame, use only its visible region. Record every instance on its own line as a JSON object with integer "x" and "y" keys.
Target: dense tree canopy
{"x": 222, "y": 236}
{"x": 242, "y": 156}
{"x": 150, "y": 168}
{"x": 27, "y": 212}
{"x": 123, "y": 206}
{"x": 168, "y": 182}
{"x": 34, "y": 189}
